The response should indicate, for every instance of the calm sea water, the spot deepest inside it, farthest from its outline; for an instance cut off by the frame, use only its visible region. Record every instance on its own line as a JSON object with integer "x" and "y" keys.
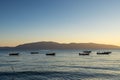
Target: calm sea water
{"x": 66, "y": 65}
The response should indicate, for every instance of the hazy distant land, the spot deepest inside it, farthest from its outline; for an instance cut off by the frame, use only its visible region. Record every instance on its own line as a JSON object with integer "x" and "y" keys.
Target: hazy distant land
{"x": 54, "y": 45}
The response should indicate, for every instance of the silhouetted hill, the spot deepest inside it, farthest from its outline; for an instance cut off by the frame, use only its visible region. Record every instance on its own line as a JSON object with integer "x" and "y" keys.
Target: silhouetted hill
{"x": 55, "y": 45}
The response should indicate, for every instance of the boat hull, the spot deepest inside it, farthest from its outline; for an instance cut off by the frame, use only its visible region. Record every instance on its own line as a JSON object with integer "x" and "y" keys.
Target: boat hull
{"x": 83, "y": 53}
{"x": 50, "y": 54}
{"x": 13, "y": 54}
{"x": 103, "y": 53}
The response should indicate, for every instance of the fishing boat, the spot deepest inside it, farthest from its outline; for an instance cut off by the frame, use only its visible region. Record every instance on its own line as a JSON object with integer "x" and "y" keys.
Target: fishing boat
{"x": 50, "y": 54}
{"x": 103, "y": 53}
{"x": 84, "y": 53}
{"x": 13, "y": 54}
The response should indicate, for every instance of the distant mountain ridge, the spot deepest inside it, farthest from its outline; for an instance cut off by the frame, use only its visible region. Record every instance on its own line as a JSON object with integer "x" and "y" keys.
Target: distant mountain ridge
{"x": 55, "y": 45}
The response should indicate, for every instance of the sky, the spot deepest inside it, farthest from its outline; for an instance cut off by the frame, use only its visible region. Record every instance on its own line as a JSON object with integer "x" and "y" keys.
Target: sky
{"x": 63, "y": 21}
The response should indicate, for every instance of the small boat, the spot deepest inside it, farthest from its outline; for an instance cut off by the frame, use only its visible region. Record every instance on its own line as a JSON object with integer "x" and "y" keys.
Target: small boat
{"x": 104, "y": 53}
{"x": 13, "y": 54}
{"x": 50, "y": 54}
{"x": 87, "y": 51}
{"x": 84, "y": 53}
{"x": 34, "y": 52}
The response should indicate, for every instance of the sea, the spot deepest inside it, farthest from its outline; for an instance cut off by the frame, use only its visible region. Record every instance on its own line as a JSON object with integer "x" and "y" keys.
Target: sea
{"x": 65, "y": 65}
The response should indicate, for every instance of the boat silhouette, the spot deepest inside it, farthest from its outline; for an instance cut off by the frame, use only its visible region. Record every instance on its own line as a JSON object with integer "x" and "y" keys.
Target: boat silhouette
{"x": 103, "y": 53}
{"x": 84, "y": 53}
{"x": 50, "y": 54}
{"x": 13, "y": 54}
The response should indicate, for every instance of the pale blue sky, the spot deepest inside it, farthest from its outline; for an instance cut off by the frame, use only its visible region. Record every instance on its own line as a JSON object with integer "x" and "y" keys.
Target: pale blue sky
{"x": 65, "y": 21}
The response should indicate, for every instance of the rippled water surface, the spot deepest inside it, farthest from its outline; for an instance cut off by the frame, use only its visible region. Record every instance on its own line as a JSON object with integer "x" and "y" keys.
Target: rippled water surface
{"x": 66, "y": 65}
